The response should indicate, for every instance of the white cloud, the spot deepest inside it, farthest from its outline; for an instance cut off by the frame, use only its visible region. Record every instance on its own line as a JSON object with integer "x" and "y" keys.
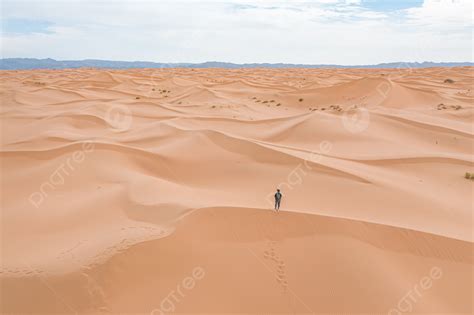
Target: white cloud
{"x": 450, "y": 14}
{"x": 325, "y": 31}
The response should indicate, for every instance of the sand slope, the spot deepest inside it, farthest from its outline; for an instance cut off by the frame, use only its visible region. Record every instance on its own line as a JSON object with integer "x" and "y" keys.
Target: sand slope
{"x": 118, "y": 185}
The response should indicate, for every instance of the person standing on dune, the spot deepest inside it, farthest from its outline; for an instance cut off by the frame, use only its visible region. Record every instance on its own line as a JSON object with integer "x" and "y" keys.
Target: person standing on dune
{"x": 278, "y": 196}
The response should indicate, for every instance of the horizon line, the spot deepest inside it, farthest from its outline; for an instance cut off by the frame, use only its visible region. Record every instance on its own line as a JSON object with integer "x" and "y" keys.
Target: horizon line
{"x": 25, "y": 63}
{"x": 233, "y": 62}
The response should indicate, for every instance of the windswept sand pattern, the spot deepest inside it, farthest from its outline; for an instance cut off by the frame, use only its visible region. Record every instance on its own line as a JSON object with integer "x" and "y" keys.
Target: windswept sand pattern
{"x": 116, "y": 184}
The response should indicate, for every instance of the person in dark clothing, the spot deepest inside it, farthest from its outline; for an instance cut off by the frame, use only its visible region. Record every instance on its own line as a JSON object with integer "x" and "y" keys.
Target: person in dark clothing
{"x": 278, "y": 196}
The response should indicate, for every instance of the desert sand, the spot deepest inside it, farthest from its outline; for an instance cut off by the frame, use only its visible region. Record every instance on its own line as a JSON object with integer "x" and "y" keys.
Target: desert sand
{"x": 151, "y": 191}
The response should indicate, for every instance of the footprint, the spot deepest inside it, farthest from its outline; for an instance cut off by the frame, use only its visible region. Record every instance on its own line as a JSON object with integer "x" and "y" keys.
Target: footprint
{"x": 280, "y": 274}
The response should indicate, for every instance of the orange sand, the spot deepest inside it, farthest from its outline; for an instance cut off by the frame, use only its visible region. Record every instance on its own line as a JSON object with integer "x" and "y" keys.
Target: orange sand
{"x": 150, "y": 191}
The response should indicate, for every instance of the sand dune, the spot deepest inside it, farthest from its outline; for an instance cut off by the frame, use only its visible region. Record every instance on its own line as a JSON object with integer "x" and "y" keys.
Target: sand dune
{"x": 121, "y": 188}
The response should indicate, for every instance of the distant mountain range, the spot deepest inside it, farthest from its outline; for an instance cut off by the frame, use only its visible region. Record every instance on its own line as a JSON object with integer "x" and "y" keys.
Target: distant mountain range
{"x": 32, "y": 63}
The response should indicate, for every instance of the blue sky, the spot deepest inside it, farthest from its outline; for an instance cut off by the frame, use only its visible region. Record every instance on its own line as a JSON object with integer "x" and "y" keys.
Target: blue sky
{"x": 19, "y": 26}
{"x": 312, "y": 31}
{"x": 391, "y": 5}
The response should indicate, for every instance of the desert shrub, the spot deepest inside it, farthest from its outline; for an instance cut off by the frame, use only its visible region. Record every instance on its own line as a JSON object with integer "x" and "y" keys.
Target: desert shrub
{"x": 300, "y": 99}
{"x": 467, "y": 175}
{"x": 441, "y": 106}
{"x": 448, "y": 81}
